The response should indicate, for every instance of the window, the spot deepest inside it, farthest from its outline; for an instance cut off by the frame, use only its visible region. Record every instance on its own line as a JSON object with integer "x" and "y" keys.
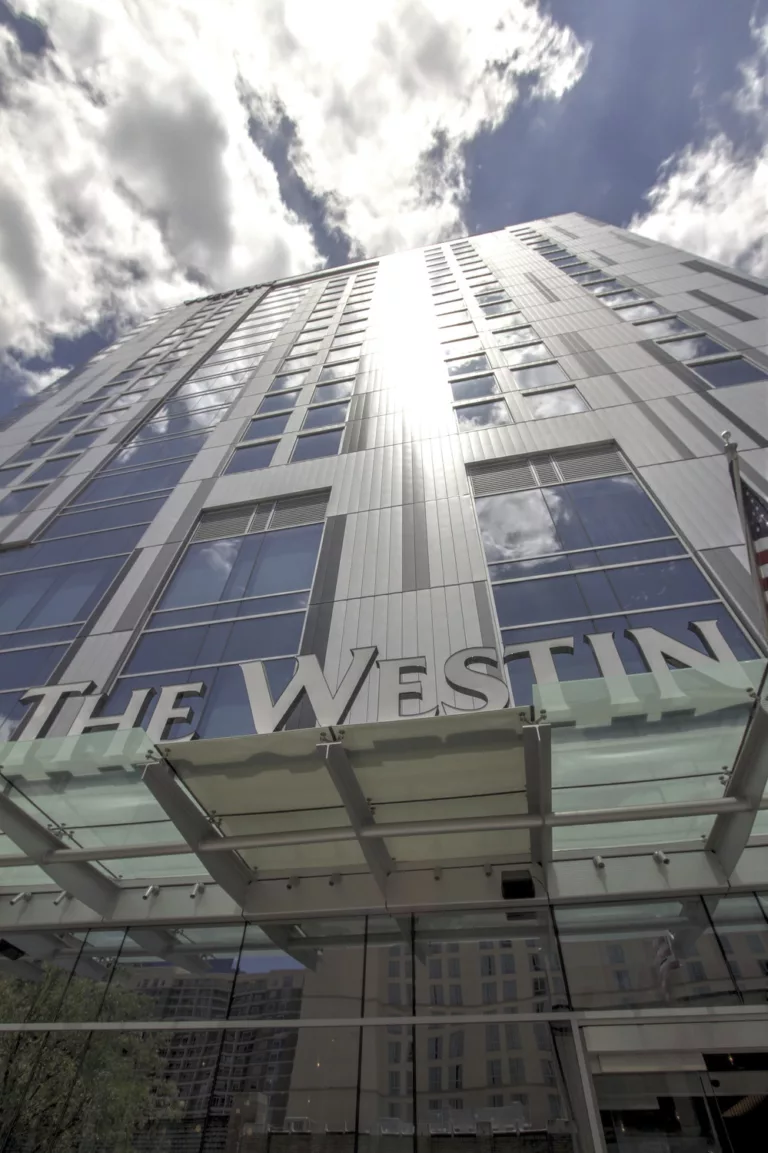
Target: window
{"x": 9, "y": 475}
{"x": 394, "y": 1082}
{"x": 455, "y": 995}
{"x": 488, "y": 965}
{"x": 558, "y": 402}
{"x": 503, "y": 308}
{"x": 17, "y": 501}
{"x": 338, "y": 371}
{"x": 393, "y": 994}
{"x": 523, "y": 334}
{"x": 463, "y": 347}
{"x": 493, "y": 1071}
{"x": 512, "y": 1035}
{"x": 252, "y": 457}
{"x": 456, "y": 1046}
{"x": 343, "y": 355}
{"x": 486, "y": 298}
{"x": 725, "y": 373}
{"x": 615, "y": 954}
{"x": 623, "y": 980}
{"x": 666, "y": 327}
{"x": 474, "y": 387}
{"x": 539, "y": 376}
{"x": 489, "y": 992}
{"x": 435, "y": 1078}
{"x": 436, "y": 995}
{"x": 290, "y": 380}
{"x": 326, "y": 415}
{"x": 337, "y": 391}
{"x": 469, "y": 364}
{"x": 527, "y": 354}
{"x": 643, "y": 311}
{"x": 509, "y": 990}
{"x": 454, "y": 967}
{"x": 435, "y": 1049}
{"x": 492, "y": 1038}
{"x": 516, "y": 1071}
{"x": 507, "y": 962}
{"x": 693, "y": 347}
{"x": 317, "y": 444}
{"x": 435, "y": 969}
{"x": 456, "y": 1077}
{"x": 472, "y": 416}
{"x": 266, "y": 426}
{"x": 278, "y": 402}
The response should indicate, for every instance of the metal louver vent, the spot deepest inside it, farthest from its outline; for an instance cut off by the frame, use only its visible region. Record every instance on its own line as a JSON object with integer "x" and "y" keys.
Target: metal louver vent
{"x": 586, "y": 463}
{"x": 550, "y": 468}
{"x": 308, "y": 508}
{"x": 502, "y": 476}
{"x": 223, "y": 522}
{"x": 545, "y": 470}
{"x": 260, "y": 518}
{"x": 296, "y": 510}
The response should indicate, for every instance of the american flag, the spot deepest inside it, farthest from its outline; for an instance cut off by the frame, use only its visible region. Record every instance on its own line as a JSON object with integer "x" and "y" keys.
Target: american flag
{"x": 756, "y": 528}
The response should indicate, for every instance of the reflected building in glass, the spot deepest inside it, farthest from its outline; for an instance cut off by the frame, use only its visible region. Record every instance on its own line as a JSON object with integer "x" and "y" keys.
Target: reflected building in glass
{"x": 382, "y": 698}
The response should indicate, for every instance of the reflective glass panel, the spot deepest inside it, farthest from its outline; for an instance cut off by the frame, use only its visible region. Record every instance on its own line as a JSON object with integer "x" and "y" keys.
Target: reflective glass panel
{"x": 539, "y": 376}
{"x": 278, "y": 403}
{"x": 558, "y": 402}
{"x": 326, "y": 415}
{"x": 17, "y": 501}
{"x": 317, "y": 444}
{"x": 474, "y": 387}
{"x": 643, "y": 311}
{"x": 9, "y": 475}
{"x": 468, "y": 364}
{"x": 292, "y": 380}
{"x": 266, "y": 426}
{"x": 471, "y": 416}
{"x": 129, "y": 483}
{"x": 337, "y": 391}
{"x": 338, "y": 371}
{"x": 251, "y": 457}
{"x": 521, "y": 335}
{"x": 526, "y": 355}
{"x": 691, "y": 347}
{"x": 666, "y": 327}
{"x": 501, "y": 309}
{"x": 724, "y": 373}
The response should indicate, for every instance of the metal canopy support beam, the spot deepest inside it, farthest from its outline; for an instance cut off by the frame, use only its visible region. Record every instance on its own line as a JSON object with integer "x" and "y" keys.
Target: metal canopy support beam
{"x": 537, "y": 751}
{"x": 346, "y": 784}
{"x": 227, "y": 869}
{"x": 731, "y": 831}
{"x": 375, "y": 851}
{"x": 81, "y": 879}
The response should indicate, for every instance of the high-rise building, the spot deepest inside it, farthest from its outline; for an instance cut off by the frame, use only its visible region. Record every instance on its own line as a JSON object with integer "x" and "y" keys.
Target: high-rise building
{"x": 382, "y": 690}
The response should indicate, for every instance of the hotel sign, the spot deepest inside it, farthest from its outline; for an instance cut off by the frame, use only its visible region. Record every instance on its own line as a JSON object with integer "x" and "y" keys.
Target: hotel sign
{"x": 473, "y": 677}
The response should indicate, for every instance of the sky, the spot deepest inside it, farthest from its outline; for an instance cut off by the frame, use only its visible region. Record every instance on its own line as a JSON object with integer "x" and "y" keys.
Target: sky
{"x": 154, "y": 152}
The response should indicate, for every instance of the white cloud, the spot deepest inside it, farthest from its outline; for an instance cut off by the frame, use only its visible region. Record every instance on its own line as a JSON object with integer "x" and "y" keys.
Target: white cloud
{"x": 128, "y": 169}
{"x": 713, "y": 199}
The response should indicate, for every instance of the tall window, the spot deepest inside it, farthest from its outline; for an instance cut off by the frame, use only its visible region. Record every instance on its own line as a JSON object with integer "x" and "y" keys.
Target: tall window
{"x": 572, "y": 554}
{"x": 240, "y": 593}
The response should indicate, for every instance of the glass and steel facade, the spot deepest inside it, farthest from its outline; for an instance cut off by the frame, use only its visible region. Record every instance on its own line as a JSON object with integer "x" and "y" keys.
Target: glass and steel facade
{"x": 383, "y": 715}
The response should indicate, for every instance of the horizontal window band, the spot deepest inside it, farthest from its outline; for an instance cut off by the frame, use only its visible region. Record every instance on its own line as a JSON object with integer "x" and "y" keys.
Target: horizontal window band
{"x": 235, "y": 600}
{"x": 194, "y": 669}
{"x": 223, "y": 621}
{"x": 587, "y": 548}
{"x": 592, "y": 569}
{"x": 605, "y": 616}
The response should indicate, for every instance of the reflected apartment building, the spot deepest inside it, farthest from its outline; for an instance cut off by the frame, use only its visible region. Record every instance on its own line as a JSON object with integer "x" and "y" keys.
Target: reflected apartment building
{"x": 382, "y": 698}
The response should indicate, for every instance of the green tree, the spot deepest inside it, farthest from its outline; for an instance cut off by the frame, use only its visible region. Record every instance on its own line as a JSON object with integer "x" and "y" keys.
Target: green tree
{"x": 80, "y": 1092}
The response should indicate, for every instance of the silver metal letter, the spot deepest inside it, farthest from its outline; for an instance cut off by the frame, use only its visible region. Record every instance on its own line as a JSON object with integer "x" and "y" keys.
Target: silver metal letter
{"x": 329, "y": 708}
{"x": 49, "y": 702}
{"x": 619, "y": 686}
{"x": 491, "y": 691}
{"x": 393, "y": 689}
{"x": 658, "y": 649}
{"x": 166, "y": 709}
{"x": 127, "y": 720}
{"x": 544, "y": 671}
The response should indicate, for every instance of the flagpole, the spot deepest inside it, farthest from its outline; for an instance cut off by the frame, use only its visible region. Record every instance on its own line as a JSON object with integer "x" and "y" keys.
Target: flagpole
{"x": 732, "y": 456}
